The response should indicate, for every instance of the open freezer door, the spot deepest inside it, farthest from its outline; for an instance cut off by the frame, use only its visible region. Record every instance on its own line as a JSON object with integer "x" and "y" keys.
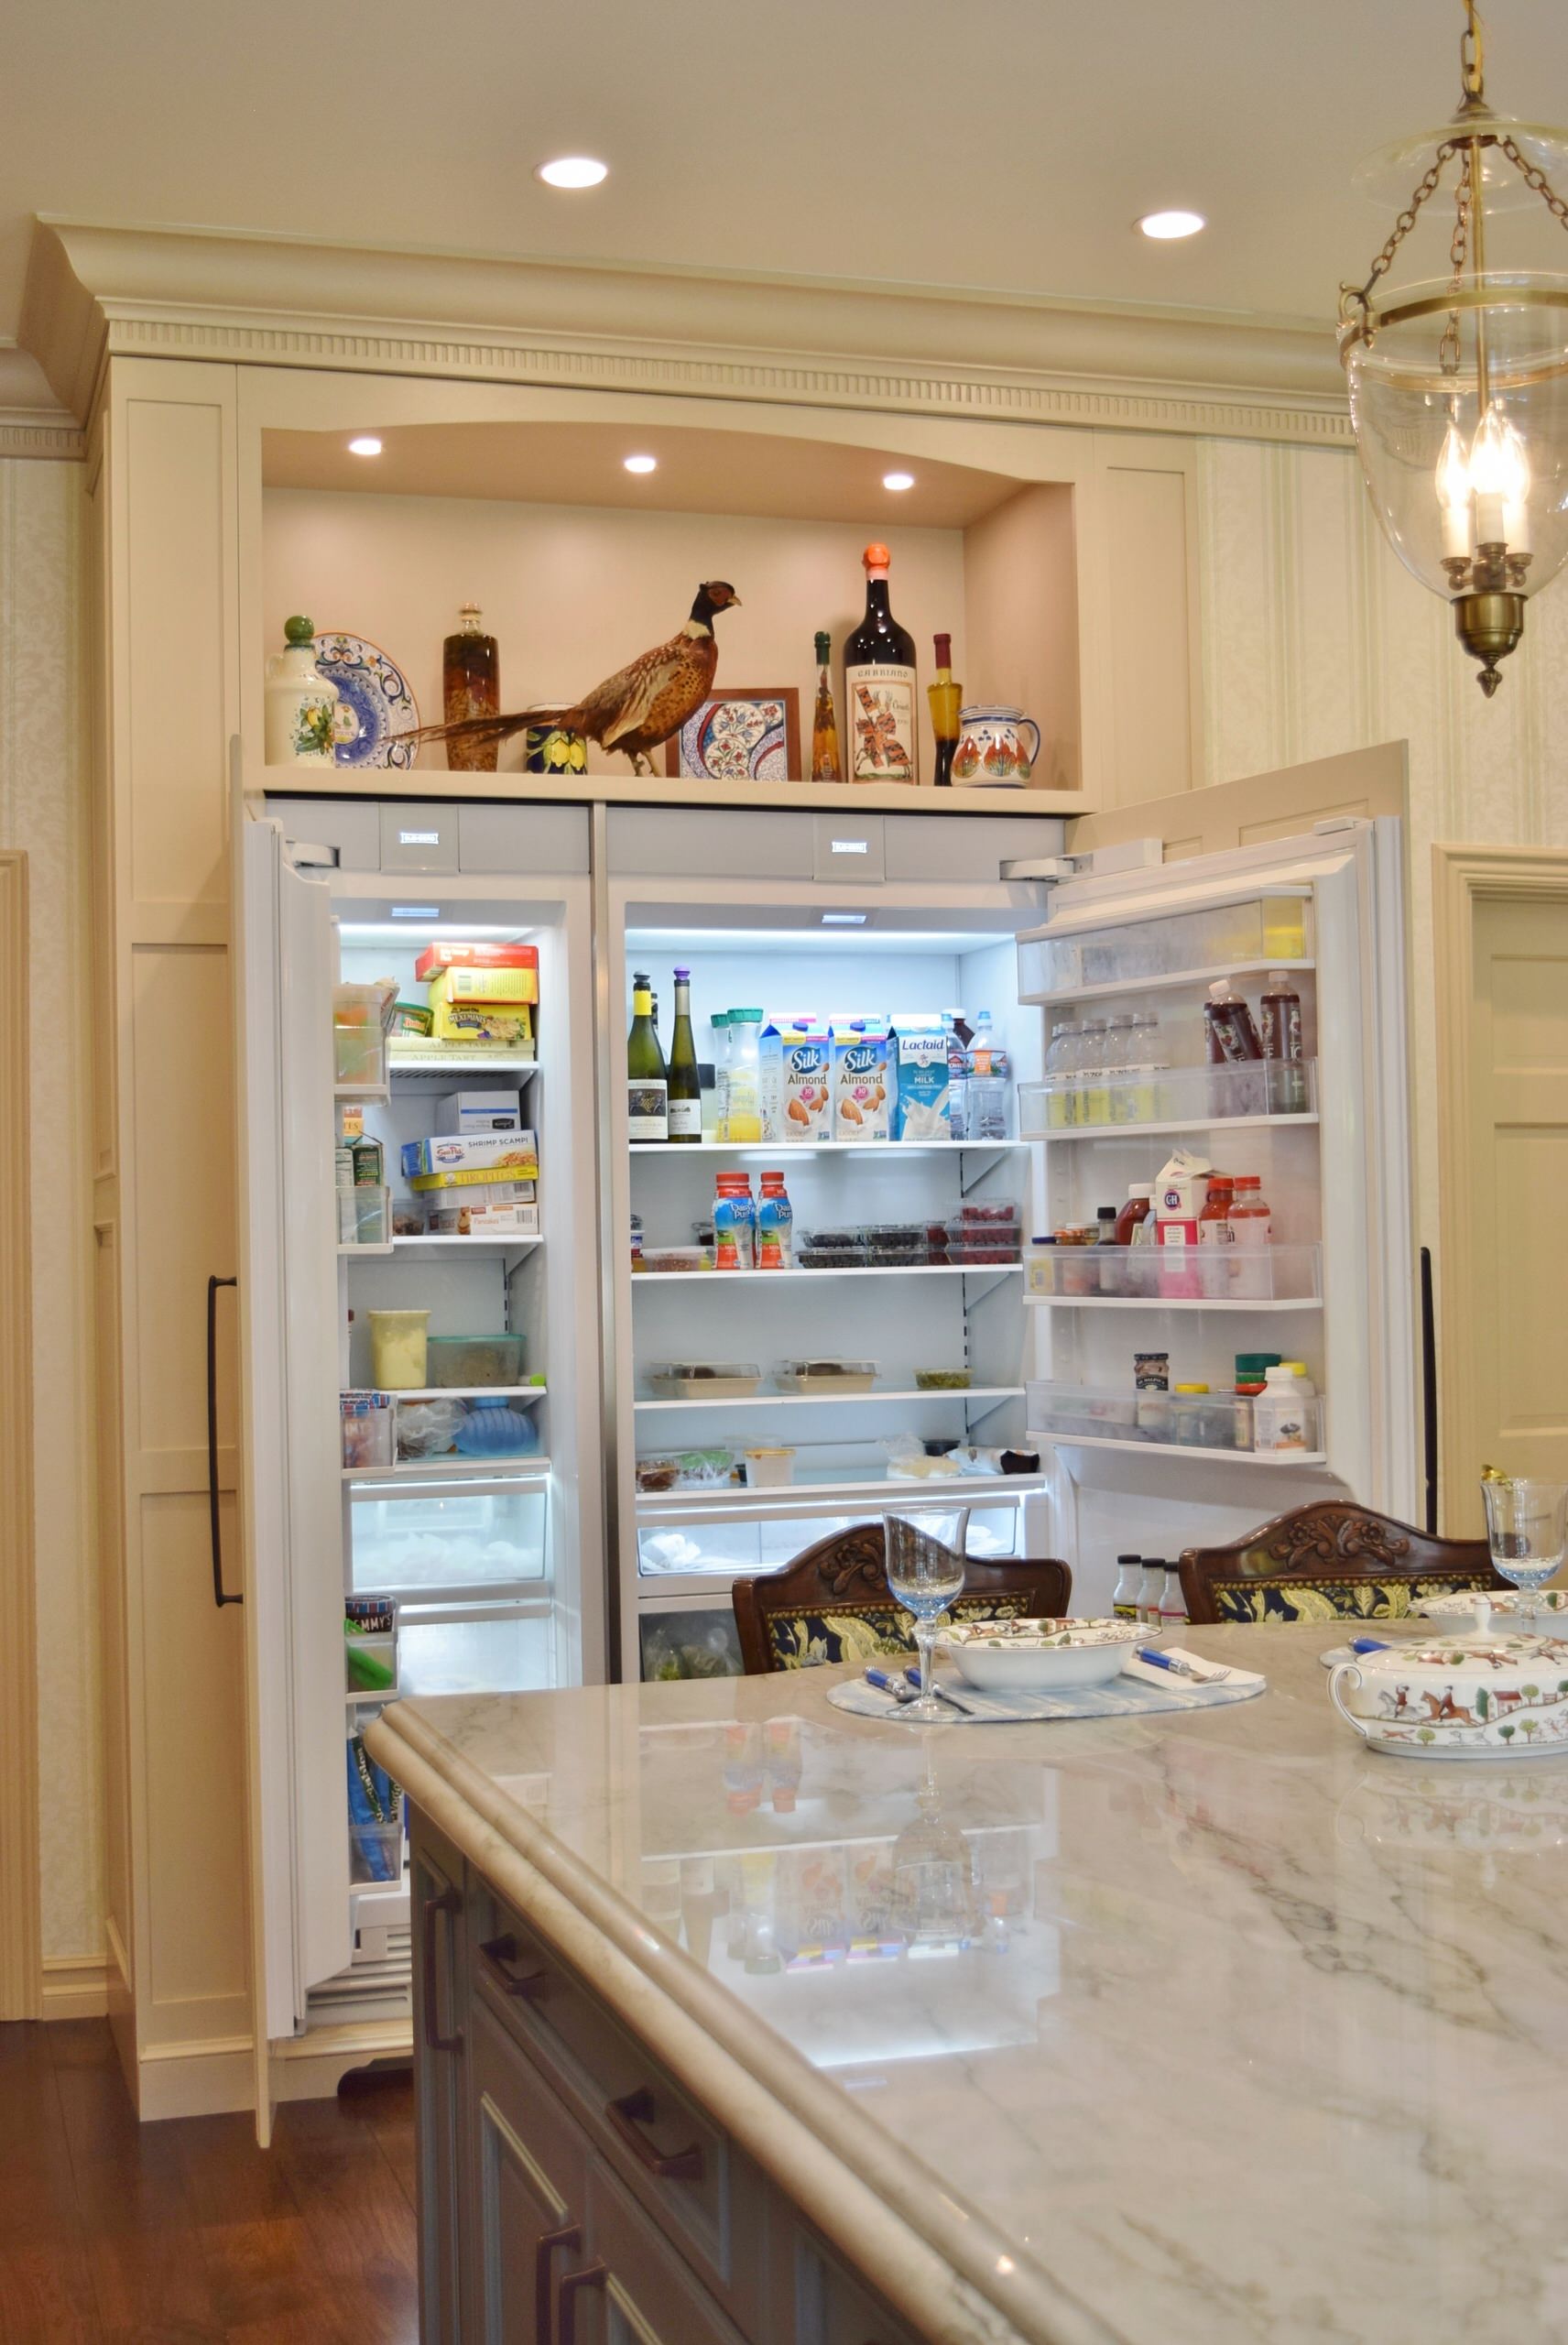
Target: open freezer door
{"x": 290, "y": 1482}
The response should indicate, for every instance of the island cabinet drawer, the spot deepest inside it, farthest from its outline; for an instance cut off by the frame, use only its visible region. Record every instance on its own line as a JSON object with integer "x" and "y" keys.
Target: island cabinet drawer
{"x": 709, "y": 2200}
{"x": 833, "y": 2307}
{"x": 529, "y": 2163}
{"x": 630, "y": 2288}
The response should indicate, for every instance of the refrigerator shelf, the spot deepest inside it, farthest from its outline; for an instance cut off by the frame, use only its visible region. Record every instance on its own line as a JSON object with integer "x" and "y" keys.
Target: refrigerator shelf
{"x": 525, "y": 1466}
{"x": 1259, "y": 965}
{"x": 786, "y": 1152}
{"x": 429, "y": 1070}
{"x": 369, "y": 1094}
{"x": 784, "y": 1278}
{"x": 1179, "y": 1301}
{"x": 473, "y": 1392}
{"x": 1131, "y": 1131}
{"x": 980, "y": 1489}
{"x": 1178, "y": 1450}
{"x": 1176, "y": 1099}
{"x": 842, "y": 1400}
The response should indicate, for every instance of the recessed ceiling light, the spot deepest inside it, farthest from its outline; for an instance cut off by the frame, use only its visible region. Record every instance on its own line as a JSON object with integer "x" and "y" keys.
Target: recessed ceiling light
{"x": 1166, "y": 227}
{"x": 640, "y": 463}
{"x": 573, "y": 170}
{"x": 365, "y": 445}
{"x": 897, "y": 480}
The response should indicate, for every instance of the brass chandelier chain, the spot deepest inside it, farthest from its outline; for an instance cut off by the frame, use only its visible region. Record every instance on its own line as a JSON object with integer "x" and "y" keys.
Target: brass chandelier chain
{"x": 1537, "y": 182}
{"x": 1361, "y": 294}
{"x": 1458, "y": 251}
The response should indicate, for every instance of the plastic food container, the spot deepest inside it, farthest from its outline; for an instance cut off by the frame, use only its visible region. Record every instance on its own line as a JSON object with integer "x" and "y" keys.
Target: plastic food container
{"x": 456, "y": 1360}
{"x": 825, "y": 1377}
{"x": 887, "y": 1244}
{"x": 698, "y": 1379}
{"x": 358, "y": 1055}
{"x": 654, "y": 1474}
{"x": 367, "y": 1421}
{"x": 942, "y": 1379}
{"x": 976, "y": 1241}
{"x": 768, "y": 1469}
{"x": 399, "y": 1344}
{"x": 408, "y": 1217}
{"x": 674, "y": 1258}
{"x": 1004, "y": 1211}
{"x": 832, "y": 1249}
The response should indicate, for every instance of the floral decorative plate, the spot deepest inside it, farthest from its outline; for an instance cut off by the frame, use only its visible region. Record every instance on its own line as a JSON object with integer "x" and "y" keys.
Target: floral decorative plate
{"x": 377, "y": 712}
{"x": 1508, "y": 1602}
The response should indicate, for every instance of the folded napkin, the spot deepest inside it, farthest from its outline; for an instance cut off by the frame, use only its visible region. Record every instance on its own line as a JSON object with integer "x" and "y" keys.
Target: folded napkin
{"x": 1140, "y": 1690}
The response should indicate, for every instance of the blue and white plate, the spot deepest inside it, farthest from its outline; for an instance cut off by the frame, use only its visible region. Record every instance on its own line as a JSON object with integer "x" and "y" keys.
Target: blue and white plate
{"x": 376, "y": 711}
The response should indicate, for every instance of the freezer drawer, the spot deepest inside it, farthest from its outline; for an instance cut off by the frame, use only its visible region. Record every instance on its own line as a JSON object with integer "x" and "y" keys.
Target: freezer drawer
{"x": 742, "y": 1549}
{"x": 449, "y": 1536}
{"x": 475, "y": 1649}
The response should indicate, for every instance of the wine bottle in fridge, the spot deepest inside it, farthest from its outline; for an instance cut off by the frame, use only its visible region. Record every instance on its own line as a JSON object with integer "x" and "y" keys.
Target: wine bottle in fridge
{"x": 647, "y": 1081}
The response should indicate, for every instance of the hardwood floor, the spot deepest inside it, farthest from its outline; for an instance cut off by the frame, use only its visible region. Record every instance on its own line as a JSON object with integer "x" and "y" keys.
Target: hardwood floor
{"x": 185, "y": 2233}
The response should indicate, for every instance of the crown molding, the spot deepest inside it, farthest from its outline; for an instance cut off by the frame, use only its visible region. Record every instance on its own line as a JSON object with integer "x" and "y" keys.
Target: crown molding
{"x": 32, "y": 424}
{"x": 94, "y": 293}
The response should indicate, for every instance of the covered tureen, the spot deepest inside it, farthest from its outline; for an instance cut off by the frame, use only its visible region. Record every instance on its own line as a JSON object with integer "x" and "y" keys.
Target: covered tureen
{"x": 1476, "y": 1694}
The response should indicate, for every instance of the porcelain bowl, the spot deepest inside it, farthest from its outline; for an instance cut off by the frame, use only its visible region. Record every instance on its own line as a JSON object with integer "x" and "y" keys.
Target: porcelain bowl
{"x": 1041, "y": 1656}
{"x": 1471, "y": 1695}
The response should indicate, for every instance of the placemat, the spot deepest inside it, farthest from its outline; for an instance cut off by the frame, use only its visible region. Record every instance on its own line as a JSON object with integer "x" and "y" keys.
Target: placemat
{"x": 1137, "y": 1691}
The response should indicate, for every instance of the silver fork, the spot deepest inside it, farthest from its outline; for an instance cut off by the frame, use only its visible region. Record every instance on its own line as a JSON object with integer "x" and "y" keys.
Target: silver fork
{"x": 1199, "y": 1676}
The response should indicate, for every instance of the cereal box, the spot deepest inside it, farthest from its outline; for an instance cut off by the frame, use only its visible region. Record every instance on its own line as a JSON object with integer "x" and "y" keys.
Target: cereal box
{"x": 920, "y": 1104}
{"x": 795, "y": 1070}
{"x": 861, "y": 1079}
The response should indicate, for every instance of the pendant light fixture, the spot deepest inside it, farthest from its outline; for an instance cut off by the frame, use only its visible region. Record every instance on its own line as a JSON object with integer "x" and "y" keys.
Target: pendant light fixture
{"x": 1459, "y": 386}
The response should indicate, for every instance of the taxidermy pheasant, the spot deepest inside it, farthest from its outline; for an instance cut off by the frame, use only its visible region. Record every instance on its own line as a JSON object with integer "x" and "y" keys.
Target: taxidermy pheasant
{"x": 635, "y": 710}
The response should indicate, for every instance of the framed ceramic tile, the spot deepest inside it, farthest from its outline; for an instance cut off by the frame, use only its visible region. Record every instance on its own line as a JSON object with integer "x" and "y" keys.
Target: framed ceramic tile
{"x": 739, "y": 737}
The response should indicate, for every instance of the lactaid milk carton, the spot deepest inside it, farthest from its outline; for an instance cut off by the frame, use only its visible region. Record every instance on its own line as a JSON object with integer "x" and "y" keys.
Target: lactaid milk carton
{"x": 863, "y": 1079}
{"x": 794, "y": 1073}
{"x": 921, "y": 1097}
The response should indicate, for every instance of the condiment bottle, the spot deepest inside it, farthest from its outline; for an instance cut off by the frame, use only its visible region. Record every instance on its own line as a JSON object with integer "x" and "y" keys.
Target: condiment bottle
{"x": 945, "y": 698}
{"x": 1172, "y": 1603}
{"x": 1187, "y": 1417}
{"x": 1124, "y": 1596}
{"x": 1152, "y": 1590}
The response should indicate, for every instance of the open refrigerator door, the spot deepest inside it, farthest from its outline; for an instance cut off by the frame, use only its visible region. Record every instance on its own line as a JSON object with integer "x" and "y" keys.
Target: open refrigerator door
{"x": 1281, "y": 1184}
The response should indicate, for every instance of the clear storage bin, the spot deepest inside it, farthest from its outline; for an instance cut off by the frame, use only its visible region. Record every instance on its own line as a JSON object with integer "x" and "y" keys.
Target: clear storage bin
{"x": 359, "y": 1054}
{"x": 1156, "y": 1274}
{"x": 364, "y": 1216}
{"x": 435, "y": 1531}
{"x": 368, "y": 1428}
{"x": 453, "y": 1361}
{"x": 1198, "y": 1096}
{"x": 1260, "y": 933}
{"x": 824, "y": 1379}
{"x": 1209, "y": 1421}
{"x": 498, "y": 1652}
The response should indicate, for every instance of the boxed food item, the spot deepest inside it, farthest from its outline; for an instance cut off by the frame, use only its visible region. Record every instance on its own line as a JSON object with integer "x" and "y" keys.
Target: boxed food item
{"x": 509, "y": 987}
{"x": 411, "y": 1017}
{"x": 922, "y": 1098}
{"x": 861, "y": 1079}
{"x": 436, "y": 959}
{"x": 479, "y": 1111}
{"x": 1180, "y": 1196}
{"x": 482, "y": 1026}
{"x": 795, "y": 1065}
{"x": 458, "y": 1213}
{"x": 483, "y": 1156}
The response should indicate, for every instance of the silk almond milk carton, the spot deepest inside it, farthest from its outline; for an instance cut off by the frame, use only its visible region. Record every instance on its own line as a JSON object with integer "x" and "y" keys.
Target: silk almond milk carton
{"x": 795, "y": 1073}
{"x": 863, "y": 1079}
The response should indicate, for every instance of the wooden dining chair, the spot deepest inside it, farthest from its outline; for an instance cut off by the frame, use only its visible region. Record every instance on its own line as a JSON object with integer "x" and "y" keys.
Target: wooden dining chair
{"x": 833, "y": 1603}
{"x": 1330, "y": 1561}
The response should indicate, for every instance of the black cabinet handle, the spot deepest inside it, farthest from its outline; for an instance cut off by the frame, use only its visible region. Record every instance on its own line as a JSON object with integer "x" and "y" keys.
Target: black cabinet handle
{"x": 593, "y": 2275}
{"x": 568, "y": 2236}
{"x": 528, "y": 1986}
{"x": 447, "y": 1902}
{"x": 628, "y": 2116}
{"x": 220, "y": 1596}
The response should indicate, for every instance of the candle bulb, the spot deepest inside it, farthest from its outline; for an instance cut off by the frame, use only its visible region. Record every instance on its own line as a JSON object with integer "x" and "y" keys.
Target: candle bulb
{"x": 1453, "y": 493}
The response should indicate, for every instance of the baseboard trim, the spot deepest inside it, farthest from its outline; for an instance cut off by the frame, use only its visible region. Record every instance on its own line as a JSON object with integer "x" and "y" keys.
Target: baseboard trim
{"x": 202, "y": 2079}
{"x": 75, "y": 1986}
{"x": 312, "y": 2066}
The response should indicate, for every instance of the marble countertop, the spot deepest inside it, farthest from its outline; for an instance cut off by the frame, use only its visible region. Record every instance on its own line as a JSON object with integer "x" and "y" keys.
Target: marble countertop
{"x": 1260, "y": 2036}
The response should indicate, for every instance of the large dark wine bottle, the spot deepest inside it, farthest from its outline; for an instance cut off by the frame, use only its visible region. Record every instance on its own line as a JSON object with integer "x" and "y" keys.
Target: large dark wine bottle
{"x": 684, "y": 1084}
{"x": 648, "y": 1110}
{"x": 880, "y": 685}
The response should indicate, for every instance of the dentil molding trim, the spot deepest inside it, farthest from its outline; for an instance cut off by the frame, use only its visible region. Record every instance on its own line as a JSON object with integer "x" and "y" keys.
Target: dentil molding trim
{"x": 97, "y": 292}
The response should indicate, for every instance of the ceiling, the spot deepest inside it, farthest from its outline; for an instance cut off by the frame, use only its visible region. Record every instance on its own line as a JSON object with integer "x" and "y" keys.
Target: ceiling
{"x": 1006, "y": 146}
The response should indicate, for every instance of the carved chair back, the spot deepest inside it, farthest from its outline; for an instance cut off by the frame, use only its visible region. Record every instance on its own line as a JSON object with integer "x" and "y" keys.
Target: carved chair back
{"x": 1330, "y": 1561}
{"x": 833, "y": 1603}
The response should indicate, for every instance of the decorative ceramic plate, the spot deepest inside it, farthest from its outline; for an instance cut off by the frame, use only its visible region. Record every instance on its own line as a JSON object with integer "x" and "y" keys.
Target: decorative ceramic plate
{"x": 1462, "y": 1607}
{"x": 377, "y": 712}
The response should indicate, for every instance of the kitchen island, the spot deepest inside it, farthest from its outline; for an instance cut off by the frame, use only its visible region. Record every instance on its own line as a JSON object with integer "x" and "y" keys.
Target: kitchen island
{"x": 1257, "y": 2038}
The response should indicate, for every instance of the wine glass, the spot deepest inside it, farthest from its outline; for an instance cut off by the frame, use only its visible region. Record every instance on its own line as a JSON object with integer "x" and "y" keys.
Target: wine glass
{"x": 925, "y": 1571}
{"x": 1527, "y": 1520}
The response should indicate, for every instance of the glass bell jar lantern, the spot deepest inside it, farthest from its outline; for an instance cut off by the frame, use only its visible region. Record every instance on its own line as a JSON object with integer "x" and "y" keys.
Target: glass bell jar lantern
{"x": 1459, "y": 384}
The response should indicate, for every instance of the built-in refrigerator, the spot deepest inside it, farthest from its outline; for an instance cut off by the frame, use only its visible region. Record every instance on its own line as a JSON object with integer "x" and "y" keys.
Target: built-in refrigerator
{"x": 611, "y": 1545}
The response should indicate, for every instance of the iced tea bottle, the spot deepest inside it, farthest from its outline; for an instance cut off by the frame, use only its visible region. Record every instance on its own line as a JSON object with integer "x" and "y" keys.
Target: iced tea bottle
{"x": 1279, "y": 1015}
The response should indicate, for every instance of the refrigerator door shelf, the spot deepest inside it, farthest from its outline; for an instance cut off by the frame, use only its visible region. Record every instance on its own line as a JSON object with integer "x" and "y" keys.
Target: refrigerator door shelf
{"x": 876, "y": 1149}
{"x": 499, "y": 1473}
{"x": 1099, "y": 948}
{"x": 1171, "y": 1099}
{"x": 1061, "y": 997}
{"x": 797, "y": 1500}
{"x": 1173, "y": 1423}
{"x": 1177, "y": 1278}
{"x": 656, "y": 1278}
{"x": 955, "y": 1394}
{"x": 706, "y": 1549}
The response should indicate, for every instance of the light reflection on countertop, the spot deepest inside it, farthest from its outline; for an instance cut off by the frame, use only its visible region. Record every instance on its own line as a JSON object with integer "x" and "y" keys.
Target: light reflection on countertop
{"x": 1255, "y": 2035}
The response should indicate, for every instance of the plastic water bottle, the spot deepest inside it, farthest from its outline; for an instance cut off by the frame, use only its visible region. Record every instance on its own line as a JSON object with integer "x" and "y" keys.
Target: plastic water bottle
{"x": 986, "y": 1107}
{"x": 957, "y": 1075}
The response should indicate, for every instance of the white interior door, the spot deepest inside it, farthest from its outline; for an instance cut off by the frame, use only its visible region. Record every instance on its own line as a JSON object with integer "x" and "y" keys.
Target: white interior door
{"x": 290, "y": 1468}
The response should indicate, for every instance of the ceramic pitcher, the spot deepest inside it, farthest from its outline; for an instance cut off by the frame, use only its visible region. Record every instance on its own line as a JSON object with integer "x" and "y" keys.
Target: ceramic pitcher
{"x": 997, "y": 746}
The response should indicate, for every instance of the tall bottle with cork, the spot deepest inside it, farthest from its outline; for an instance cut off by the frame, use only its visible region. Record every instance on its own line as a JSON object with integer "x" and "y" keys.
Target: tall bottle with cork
{"x": 471, "y": 686}
{"x": 685, "y": 1090}
{"x": 827, "y": 759}
{"x": 946, "y": 698}
{"x": 880, "y": 685}
{"x": 648, "y": 1080}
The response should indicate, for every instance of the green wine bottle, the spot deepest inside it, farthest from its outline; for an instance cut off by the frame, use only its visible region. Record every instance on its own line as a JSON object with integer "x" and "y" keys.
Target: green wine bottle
{"x": 685, "y": 1093}
{"x": 648, "y": 1087}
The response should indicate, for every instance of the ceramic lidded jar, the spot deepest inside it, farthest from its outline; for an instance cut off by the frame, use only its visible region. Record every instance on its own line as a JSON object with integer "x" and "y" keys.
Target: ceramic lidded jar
{"x": 301, "y": 704}
{"x": 997, "y": 748}
{"x": 1477, "y": 1694}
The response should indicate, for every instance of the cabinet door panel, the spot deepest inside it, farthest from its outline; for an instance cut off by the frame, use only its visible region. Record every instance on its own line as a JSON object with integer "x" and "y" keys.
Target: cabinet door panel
{"x": 528, "y": 2164}
{"x": 642, "y": 2294}
{"x": 832, "y": 2308}
{"x": 438, "y": 1976}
